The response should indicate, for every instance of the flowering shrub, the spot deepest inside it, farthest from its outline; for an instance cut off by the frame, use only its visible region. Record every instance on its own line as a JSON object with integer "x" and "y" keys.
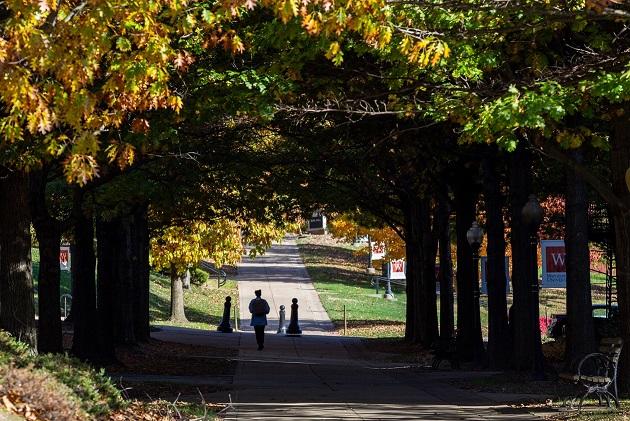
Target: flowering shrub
{"x": 544, "y": 323}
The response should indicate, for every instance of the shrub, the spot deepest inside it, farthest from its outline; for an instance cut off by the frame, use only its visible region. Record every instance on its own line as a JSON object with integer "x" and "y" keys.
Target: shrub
{"x": 97, "y": 394}
{"x": 38, "y": 391}
{"x": 199, "y": 276}
{"x": 11, "y": 349}
{"x": 544, "y": 323}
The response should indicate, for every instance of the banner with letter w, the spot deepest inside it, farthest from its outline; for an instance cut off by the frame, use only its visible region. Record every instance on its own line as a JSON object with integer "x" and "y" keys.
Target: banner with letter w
{"x": 554, "y": 271}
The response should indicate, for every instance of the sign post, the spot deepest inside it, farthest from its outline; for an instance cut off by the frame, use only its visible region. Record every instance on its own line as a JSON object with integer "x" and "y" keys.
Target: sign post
{"x": 554, "y": 271}
{"x": 317, "y": 223}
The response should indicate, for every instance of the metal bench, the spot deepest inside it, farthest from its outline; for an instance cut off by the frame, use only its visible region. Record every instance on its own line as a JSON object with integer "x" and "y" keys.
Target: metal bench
{"x": 597, "y": 373}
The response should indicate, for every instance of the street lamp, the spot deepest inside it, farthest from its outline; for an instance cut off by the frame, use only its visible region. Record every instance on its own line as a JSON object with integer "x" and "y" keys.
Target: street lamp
{"x": 532, "y": 215}
{"x": 475, "y": 237}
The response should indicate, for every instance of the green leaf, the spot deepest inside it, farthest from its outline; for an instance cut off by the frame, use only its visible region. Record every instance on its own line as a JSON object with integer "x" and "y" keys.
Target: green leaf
{"x": 123, "y": 44}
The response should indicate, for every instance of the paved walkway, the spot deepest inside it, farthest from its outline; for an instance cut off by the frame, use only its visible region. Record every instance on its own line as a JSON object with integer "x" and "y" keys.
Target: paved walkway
{"x": 281, "y": 276}
{"x": 320, "y": 376}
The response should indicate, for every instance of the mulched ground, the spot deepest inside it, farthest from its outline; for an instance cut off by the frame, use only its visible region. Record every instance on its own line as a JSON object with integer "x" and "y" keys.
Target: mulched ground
{"x": 157, "y": 357}
{"x": 163, "y": 410}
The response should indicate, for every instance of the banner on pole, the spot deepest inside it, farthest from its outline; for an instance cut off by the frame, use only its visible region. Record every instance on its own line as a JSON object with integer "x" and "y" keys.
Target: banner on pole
{"x": 378, "y": 250}
{"x": 64, "y": 258}
{"x": 396, "y": 269}
{"x": 554, "y": 271}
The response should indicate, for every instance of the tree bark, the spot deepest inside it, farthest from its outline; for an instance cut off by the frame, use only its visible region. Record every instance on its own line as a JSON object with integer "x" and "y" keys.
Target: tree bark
{"x": 580, "y": 330}
{"x": 445, "y": 275}
{"x": 107, "y": 298}
{"x": 498, "y": 331}
{"x": 141, "y": 272}
{"x": 620, "y": 163}
{"x": 123, "y": 274}
{"x": 428, "y": 303}
{"x": 85, "y": 340}
{"x": 465, "y": 210}
{"x": 413, "y": 252}
{"x": 177, "y": 297}
{"x": 17, "y": 309}
{"x": 523, "y": 323}
{"x": 48, "y": 231}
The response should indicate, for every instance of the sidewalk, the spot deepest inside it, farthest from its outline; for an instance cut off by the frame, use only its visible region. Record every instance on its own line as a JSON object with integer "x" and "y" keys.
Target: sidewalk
{"x": 281, "y": 276}
{"x": 321, "y": 376}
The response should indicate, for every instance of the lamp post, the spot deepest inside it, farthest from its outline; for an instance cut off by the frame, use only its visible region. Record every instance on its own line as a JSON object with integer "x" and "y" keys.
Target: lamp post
{"x": 532, "y": 215}
{"x": 475, "y": 237}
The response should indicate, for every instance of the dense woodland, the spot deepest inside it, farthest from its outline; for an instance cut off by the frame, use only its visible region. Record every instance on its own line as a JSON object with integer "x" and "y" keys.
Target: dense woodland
{"x": 158, "y": 133}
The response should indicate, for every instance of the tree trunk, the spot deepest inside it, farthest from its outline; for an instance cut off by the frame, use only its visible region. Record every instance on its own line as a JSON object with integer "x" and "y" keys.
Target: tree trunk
{"x": 177, "y": 297}
{"x": 498, "y": 331}
{"x": 445, "y": 275}
{"x": 107, "y": 296}
{"x": 580, "y": 330}
{"x": 465, "y": 209}
{"x": 428, "y": 306}
{"x": 17, "y": 309}
{"x": 413, "y": 247}
{"x": 48, "y": 232}
{"x": 85, "y": 340}
{"x": 123, "y": 270}
{"x": 49, "y": 286}
{"x": 141, "y": 272}
{"x": 620, "y": 163}
{"x": 522, "y": 323}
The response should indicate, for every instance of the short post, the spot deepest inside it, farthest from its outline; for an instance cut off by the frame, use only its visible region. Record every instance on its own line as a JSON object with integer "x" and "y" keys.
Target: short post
{"x": 389, "y": 295}
{"x": 281, "y": 327}
{"x": 225, "y": 323}
{"x": 345, "y": 321}
{"x": 294, "y": 327}
{"x": 235, "y": 319}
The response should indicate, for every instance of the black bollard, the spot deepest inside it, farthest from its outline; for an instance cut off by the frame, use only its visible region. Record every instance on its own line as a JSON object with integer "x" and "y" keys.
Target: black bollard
{"x": 225, "y": 323}
{"x": 294, "y": 327}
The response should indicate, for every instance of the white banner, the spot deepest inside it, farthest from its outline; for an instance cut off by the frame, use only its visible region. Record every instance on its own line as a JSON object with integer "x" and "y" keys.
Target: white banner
{"x": 554, "y": 271}
{"x": 64, "y": 258}
{"x": 396, "y": 269}
{"x": 378, "y": 250}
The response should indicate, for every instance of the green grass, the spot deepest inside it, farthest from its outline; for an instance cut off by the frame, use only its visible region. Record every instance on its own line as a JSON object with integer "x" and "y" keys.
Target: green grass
{"x": 338, "y": 273}
{"x": 340, "y": 279}
{"x": 203, "y": 304}
{"x": 598, "y": 414}
{"x": 66, "y": 280}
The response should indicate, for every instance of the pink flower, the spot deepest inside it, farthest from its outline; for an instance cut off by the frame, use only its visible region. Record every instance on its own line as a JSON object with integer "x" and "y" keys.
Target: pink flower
{"x": 544, "y": 323}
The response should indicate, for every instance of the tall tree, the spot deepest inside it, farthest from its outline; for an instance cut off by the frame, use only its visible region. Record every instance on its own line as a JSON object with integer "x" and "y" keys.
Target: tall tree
{"x": 498, "y": 333}
{"x": 17, "y": 306}
{"x": 469, "y": 339}
{"x": 580, "y": 329}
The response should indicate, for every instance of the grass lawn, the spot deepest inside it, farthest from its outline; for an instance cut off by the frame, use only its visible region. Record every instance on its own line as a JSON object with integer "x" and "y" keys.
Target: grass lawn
{"x": 203, "y": 304}
{"x": 338, "y": 274}
{"x": 598, "y": 414}
{"x": 66, "y": 280}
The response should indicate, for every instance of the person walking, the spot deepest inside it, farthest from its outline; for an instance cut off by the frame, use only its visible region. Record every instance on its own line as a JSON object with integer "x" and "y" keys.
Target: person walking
{"x": 259, "y": 308}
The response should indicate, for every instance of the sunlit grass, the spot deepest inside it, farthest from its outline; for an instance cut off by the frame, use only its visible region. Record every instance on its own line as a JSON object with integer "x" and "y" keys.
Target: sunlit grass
{"x": 203, "y": 304}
